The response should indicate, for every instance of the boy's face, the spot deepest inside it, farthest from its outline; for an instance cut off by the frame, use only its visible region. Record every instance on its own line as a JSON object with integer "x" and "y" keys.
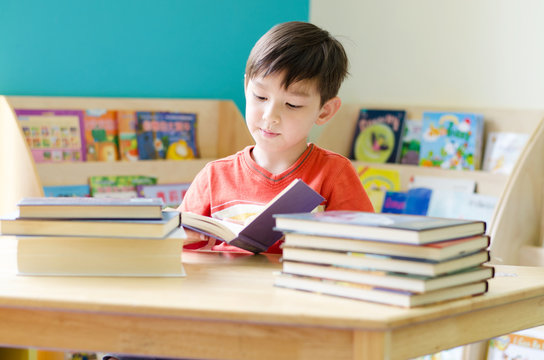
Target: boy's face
{"x": 280, "y": 119}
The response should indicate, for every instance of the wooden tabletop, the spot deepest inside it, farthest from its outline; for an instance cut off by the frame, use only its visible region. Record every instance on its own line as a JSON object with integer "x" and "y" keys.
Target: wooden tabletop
{"x": 227, "y": 307}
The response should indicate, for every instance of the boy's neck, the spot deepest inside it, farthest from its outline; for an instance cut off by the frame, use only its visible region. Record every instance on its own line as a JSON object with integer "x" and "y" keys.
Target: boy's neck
{"x": 276, "y": 162}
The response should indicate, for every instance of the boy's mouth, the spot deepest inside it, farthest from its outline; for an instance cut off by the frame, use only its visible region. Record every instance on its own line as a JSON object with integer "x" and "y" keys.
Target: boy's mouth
{"x": 268, "y": 133}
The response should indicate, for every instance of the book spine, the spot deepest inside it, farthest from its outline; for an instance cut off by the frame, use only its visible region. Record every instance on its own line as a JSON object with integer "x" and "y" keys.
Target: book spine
{"x": 249, "y": 244}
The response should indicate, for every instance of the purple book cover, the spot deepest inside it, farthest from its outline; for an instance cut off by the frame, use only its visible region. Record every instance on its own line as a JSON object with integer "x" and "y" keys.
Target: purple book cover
{"x": 298, "y": 198}
{"x": 53, "y": 135}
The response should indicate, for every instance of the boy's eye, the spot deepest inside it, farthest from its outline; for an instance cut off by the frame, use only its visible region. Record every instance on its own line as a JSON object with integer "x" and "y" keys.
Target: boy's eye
{"x": 261, "y": 98}
{"x": 292, "y": 106}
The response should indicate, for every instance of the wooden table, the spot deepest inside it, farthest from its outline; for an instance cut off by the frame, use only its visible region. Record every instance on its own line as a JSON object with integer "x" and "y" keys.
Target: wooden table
{"x": 227, "y": 308}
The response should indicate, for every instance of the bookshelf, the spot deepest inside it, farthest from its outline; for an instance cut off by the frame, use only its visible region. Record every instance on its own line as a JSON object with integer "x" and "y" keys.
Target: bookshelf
{"x": 221, "y": 131}
{"x": 516, "y": 225}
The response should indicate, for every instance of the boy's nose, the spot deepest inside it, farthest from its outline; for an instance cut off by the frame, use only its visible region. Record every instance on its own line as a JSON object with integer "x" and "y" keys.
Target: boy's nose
{"x": 271, "y": 114}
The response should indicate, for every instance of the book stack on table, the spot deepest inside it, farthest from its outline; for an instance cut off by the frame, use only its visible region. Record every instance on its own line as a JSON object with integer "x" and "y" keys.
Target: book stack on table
{"x": 393, "y": 259}
{"x": 96, "y": 237}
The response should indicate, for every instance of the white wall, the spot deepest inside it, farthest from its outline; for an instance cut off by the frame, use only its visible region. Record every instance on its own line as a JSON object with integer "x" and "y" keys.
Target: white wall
{"x": 480, "y": 53}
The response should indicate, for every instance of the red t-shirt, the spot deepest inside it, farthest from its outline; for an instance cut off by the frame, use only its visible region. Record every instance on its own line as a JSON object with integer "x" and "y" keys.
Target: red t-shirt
{"x": 236, "y": 187}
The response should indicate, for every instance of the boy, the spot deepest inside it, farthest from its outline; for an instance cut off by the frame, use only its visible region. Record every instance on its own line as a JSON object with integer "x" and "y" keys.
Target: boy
{"x": 292, "y": 79}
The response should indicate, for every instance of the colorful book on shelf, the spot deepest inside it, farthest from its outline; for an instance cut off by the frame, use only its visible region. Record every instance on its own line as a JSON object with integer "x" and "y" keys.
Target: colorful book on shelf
{"x": 438, "y": 251}
{"x": 80, "y": 190}
{"x": 369, "y": 261}
{"x": 90, "y": 208}
{"x": 171, "y": 194}
{"x": 378, "y": 135}
{"x": 409, "y": 229}
{"x": 413, "y": 202}
{"x": 411, "y": 142}
{"x": 128, "y": 142}
{"x": 258, "y": 234}
{"x": 119, "y": 186}
{"x": 452, "y": 140}
{"x": 377, "y": 294}
{"x": 417, "y": 201}
{"x": 502, "y": 151}
{"x": 377, "y": 182}
{"x": 139, "y": 228}
{"x": 101, "y": 256}
{"x": 166, "y": 135}
{"x": 389, "y": 279}
{"x": 101, "y": 135}
{"x": 53, "y": 135}
{"x": 394, "y": 202}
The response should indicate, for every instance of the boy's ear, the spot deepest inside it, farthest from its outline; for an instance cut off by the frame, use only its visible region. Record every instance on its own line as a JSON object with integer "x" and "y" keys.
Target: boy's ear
{"x": 328, "y": 110}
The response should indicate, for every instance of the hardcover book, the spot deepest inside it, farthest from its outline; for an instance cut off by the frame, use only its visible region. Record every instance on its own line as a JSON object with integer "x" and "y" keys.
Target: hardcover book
{"x": 377, "y": 135}
{"x": 258, "y": 234}
{"x": 101, "y": 135}
{"x": 369, "y": 261}
{"x": 90, "y": 208}
{"x": 137, "y": 228}
{"x": 438, "y": 251}
{"x": 53, "y": 135}
{"x": 408, "y": 229}
{"x": 389, "y": 279}
{"x": 502, "y": 151}
{"x": 166, "y": 135}
{"x": 452, "y": 140}
{"x": 128, "y": 142}
{"x": 378, "y": 294}
{"x": 101, "y": 256}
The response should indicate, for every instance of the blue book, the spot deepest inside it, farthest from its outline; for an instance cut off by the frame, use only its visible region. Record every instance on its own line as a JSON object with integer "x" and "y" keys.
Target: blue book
{"x": 166, "y": 135}
{"x": 394, "y": 202}
{"x": 67, "y": 190}
{"x": 451, "y": 140}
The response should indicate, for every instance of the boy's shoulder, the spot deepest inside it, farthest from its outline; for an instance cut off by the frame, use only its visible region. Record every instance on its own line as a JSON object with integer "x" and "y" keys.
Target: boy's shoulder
{"x": 329, "y": 156}
{"x": 230, "y": 159}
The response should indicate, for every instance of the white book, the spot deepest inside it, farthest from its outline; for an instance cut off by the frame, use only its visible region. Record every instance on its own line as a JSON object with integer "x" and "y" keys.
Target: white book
{"x": 502, "y": 151}
{"x": 442, "y": 183}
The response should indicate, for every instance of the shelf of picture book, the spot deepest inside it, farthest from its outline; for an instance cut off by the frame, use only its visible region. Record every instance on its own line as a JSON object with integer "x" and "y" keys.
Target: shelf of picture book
{"x": 500, "y": 150}
{"x": 106, "y": 129}
{"x": 444, "y": 139}
{"x": 57, "y": 135}
{"x": 431, "y": 195}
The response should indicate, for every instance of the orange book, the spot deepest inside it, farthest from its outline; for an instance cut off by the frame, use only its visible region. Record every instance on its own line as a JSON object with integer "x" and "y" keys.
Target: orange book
{"x": 101, "y": 135}
{"x": 128, "y": 143}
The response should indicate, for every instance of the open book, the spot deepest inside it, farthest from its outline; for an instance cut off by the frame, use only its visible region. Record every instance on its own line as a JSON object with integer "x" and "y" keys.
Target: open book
{"x": 257, "y": 235}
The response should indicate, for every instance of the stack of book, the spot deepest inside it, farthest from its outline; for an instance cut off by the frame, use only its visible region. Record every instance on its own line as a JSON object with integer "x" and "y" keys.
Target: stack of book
{"x": 96, "y": 237}
{"x": 393, "y": 259}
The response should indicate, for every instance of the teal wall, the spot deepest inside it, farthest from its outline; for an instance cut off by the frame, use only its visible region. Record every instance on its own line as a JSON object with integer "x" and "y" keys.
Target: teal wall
{"x": 134, "y": 48}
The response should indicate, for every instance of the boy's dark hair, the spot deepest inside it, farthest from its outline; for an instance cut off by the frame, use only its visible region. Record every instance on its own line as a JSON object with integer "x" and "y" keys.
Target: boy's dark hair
{"x": 305, "y": 52}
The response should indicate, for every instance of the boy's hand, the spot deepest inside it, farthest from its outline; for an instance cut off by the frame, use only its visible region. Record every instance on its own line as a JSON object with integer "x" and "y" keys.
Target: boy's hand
{"x": 196, "y": 237}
